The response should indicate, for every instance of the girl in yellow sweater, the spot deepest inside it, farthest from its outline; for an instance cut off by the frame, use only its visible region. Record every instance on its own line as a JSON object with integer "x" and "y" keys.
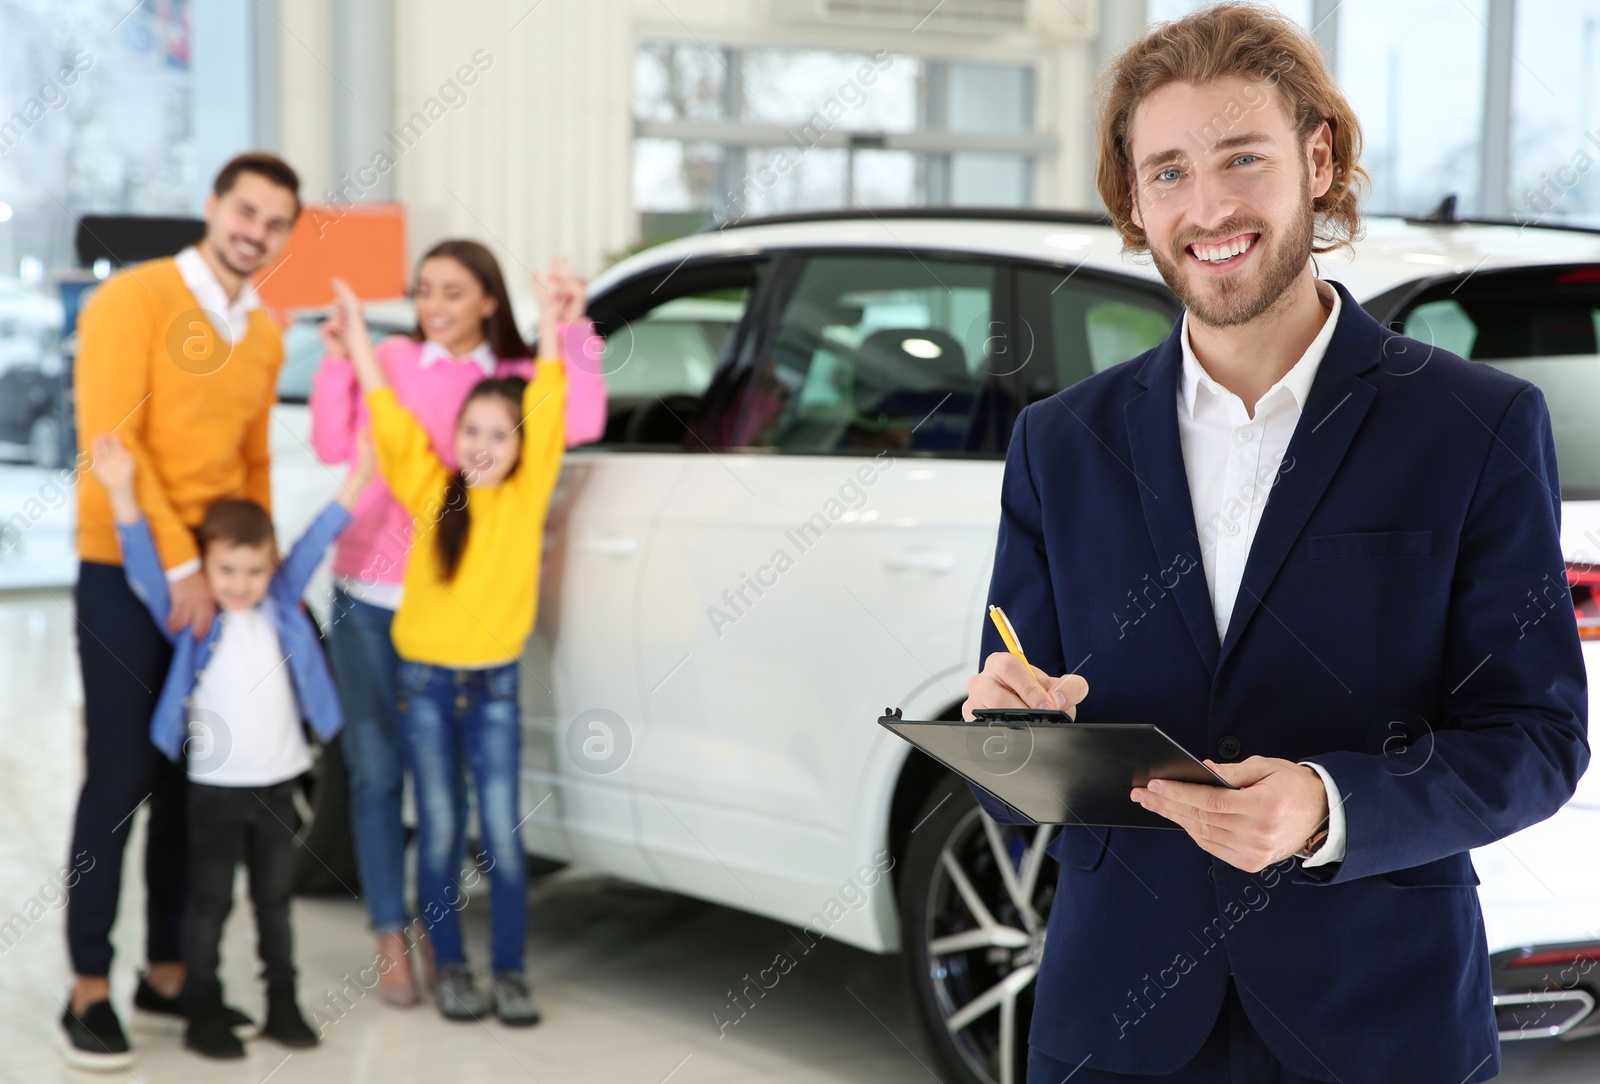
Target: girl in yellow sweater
{"x": 471, "y": 592}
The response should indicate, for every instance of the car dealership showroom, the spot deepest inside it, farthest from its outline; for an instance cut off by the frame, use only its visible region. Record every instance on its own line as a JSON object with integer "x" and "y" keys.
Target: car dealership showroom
{"x": 457, "y": 401}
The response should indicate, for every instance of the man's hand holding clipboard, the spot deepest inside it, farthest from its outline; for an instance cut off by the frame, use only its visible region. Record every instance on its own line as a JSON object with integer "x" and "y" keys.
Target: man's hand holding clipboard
{"x": 1278, "y": 809}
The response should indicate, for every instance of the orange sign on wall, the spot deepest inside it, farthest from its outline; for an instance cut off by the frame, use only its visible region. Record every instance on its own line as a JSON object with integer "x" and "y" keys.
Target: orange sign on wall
{"x": 362, "y": 243}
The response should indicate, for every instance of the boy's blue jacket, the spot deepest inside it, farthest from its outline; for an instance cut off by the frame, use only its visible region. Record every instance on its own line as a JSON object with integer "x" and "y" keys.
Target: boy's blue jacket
{"x": 308, "y": 667}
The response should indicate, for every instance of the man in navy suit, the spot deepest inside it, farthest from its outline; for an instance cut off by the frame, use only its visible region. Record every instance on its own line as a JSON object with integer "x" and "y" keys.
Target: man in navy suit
{"x": 1299, "y": 543}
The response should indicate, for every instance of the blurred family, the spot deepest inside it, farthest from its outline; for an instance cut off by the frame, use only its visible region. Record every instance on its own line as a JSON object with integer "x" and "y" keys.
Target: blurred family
{"x": 201, "y": 666}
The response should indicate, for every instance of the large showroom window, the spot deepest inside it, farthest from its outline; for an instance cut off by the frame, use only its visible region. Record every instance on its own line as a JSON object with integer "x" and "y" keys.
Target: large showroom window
{"x": 96, "y": 117}
{"x": 1555, "y": 111}
{"x": 1414, "y": 74}
{"x": 725, "y": 133}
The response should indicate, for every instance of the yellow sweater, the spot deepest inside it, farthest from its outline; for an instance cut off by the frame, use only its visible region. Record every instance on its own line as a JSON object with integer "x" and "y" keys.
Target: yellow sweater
{"x": 194, "y": 412}
{"x": 485, "y": 614}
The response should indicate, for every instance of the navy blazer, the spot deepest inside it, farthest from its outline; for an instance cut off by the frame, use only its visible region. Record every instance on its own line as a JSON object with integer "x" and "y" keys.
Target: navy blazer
{"x": 1403, "y": 621}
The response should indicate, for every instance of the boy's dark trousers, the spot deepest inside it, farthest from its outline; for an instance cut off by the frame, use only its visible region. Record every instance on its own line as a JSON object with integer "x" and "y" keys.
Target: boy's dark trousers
{"x": 227, "y": 825}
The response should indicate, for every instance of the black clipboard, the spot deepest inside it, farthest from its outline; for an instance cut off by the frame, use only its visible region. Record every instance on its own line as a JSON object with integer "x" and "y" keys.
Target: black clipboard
{"x": 1056, "y": 771}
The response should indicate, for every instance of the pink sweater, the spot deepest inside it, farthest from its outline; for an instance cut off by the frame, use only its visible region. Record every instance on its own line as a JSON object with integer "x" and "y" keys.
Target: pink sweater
{"x": 374, "y": 547}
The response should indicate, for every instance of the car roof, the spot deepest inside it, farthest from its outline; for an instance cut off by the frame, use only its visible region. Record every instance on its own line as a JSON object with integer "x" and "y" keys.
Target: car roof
{"x": 1392, "y": 252}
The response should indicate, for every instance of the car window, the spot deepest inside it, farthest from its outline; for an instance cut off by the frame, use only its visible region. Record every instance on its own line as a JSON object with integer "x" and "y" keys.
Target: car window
{"x": 673, "y": 349}
{"x": 875, "y": 351}
{"x": 1075, "y": 325}
{"x": 302, "y": 353}
{"x": 667, "y": 333}
{"x": 1542, "y": 325}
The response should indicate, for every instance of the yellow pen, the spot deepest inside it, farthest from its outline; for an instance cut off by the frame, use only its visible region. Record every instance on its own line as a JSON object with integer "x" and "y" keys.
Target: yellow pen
{"x": 1008, "y": 634}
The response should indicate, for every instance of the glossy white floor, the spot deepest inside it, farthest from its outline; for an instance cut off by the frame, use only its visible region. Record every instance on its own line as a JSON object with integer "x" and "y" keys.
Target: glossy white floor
{"x": 628, "y": 978}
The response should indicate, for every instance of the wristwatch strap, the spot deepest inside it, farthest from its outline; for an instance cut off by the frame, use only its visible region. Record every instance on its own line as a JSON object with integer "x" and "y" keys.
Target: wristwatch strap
{"x": 1318, "y": 838}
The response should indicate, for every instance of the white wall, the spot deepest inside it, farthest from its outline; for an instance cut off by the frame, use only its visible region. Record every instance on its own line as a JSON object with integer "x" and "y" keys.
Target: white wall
{"x": 538, "y": 158}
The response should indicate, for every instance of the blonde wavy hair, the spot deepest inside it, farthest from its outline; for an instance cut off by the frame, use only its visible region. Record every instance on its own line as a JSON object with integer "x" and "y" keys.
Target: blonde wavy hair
{"x": 1227, "y": 40}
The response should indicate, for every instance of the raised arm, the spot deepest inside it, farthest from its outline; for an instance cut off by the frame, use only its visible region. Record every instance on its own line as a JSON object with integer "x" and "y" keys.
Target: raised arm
{"x": 289, "y": 582}
{"x": 335, "y": 401}
{"x": 358, "y": 340}
{"x": 586, "y": 382}
{"x": 414, "y": 473}
{"x": 543, "y": 431}
{"x": 582, "y": 351}
{"x": 544, "y": 401}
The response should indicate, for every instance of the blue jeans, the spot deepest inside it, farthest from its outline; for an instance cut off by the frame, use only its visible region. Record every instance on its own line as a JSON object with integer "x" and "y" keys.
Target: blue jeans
{"x": 364, "y": 663}
{"x": 448, "y": 715}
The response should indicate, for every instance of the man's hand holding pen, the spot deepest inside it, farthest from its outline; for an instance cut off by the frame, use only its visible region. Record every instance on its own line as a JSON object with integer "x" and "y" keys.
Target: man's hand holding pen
{"x": 1272, "y": 814}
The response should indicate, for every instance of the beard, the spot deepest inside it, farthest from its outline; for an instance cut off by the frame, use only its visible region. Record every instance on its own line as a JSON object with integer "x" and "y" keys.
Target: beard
{"x": 1234, "y": 300}
{"x": 220, "y": 251}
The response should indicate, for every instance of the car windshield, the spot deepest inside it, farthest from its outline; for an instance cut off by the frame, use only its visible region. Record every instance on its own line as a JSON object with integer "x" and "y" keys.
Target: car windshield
{"x": 1541, "y": 325}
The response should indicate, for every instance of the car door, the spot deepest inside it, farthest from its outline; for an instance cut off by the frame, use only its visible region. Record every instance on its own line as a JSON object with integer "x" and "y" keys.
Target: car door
{"x": 1541, "y": 324}
{"x": 665, "y": 333}
{"x": 824, "y": 561}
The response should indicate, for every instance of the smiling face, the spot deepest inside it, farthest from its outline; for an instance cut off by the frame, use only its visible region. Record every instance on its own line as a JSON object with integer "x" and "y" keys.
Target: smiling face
{"x": 488, "y": 441}
{"x": 248, "y": 225}
{"x": 238, "y": 575}
{"x": 1228, "y": 213}
{"x": 452, "y": 304}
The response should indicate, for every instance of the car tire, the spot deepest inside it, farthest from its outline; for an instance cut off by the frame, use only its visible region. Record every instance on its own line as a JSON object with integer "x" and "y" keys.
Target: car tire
{"x": 325, "y": 862}
{"x": 972, "y": 974}
{"x": 44, "y": 442}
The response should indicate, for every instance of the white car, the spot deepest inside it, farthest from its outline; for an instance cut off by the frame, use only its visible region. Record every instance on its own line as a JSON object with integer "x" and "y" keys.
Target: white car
{"x": 790, "y": 525}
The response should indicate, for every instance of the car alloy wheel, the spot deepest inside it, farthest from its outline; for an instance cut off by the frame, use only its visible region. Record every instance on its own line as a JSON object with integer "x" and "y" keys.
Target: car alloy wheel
{"x": 44, "y": 442}
{"x": 974, "y": 901}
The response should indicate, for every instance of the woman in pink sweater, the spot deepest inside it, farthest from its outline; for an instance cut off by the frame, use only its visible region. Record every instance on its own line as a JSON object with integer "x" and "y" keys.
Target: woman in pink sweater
{"x": 465, "y": 332}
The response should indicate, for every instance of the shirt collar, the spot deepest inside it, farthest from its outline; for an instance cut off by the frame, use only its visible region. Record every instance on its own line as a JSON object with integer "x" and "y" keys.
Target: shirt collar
{"x": 432, "y": 352}
{"x": 208, "y": 291}
{"x": 1297, "y": 381}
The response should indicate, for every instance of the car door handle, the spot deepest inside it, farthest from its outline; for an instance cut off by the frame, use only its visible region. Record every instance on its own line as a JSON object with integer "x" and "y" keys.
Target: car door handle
{"x": 923, "y": 559}
{"x": 610, "y": 545}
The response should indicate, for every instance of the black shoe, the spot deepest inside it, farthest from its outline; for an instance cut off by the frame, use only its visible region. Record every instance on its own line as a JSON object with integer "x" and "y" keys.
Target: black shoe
{"x": 94, "y": 1040}
{"x": 284, "y": 1022}
{"x": 154, "y": 1010}
{"x": 210, "y": 1036}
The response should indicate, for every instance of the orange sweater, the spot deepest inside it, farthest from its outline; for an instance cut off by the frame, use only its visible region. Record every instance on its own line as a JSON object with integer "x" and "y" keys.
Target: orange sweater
{"x": 194, "y": 412}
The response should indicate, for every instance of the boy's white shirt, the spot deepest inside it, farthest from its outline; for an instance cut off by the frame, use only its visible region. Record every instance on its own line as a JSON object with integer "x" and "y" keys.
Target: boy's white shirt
{"x": 244, "y": 719}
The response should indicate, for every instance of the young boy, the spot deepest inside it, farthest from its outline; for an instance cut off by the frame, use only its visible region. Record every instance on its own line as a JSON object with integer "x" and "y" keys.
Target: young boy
{"x": 233, "y": 701}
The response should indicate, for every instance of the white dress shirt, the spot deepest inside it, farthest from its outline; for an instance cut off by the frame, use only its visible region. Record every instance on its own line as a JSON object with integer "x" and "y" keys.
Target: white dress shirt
{"x": 482, "y": 355}
{"x": 244, "y": 720}
{"x": 1232, "y": 460}
{"x": 230, "y": 318}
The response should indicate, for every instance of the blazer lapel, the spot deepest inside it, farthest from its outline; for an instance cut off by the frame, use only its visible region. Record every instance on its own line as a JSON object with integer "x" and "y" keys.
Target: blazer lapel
{"x": 1158, "y": 467}
{"x": 1334, "y": 410}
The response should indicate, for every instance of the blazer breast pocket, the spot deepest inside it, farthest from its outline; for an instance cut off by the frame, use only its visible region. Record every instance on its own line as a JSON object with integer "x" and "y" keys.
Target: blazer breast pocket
{"x": 1325, "y": 547}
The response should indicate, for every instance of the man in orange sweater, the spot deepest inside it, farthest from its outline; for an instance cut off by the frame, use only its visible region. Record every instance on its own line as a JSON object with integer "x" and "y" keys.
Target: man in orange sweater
{"x": 178, "y": 359}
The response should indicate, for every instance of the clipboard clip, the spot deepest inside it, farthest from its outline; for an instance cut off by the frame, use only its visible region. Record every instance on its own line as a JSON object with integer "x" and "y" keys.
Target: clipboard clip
{"x": 1020, "y": 715}
{"x": 891, "y": 713}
